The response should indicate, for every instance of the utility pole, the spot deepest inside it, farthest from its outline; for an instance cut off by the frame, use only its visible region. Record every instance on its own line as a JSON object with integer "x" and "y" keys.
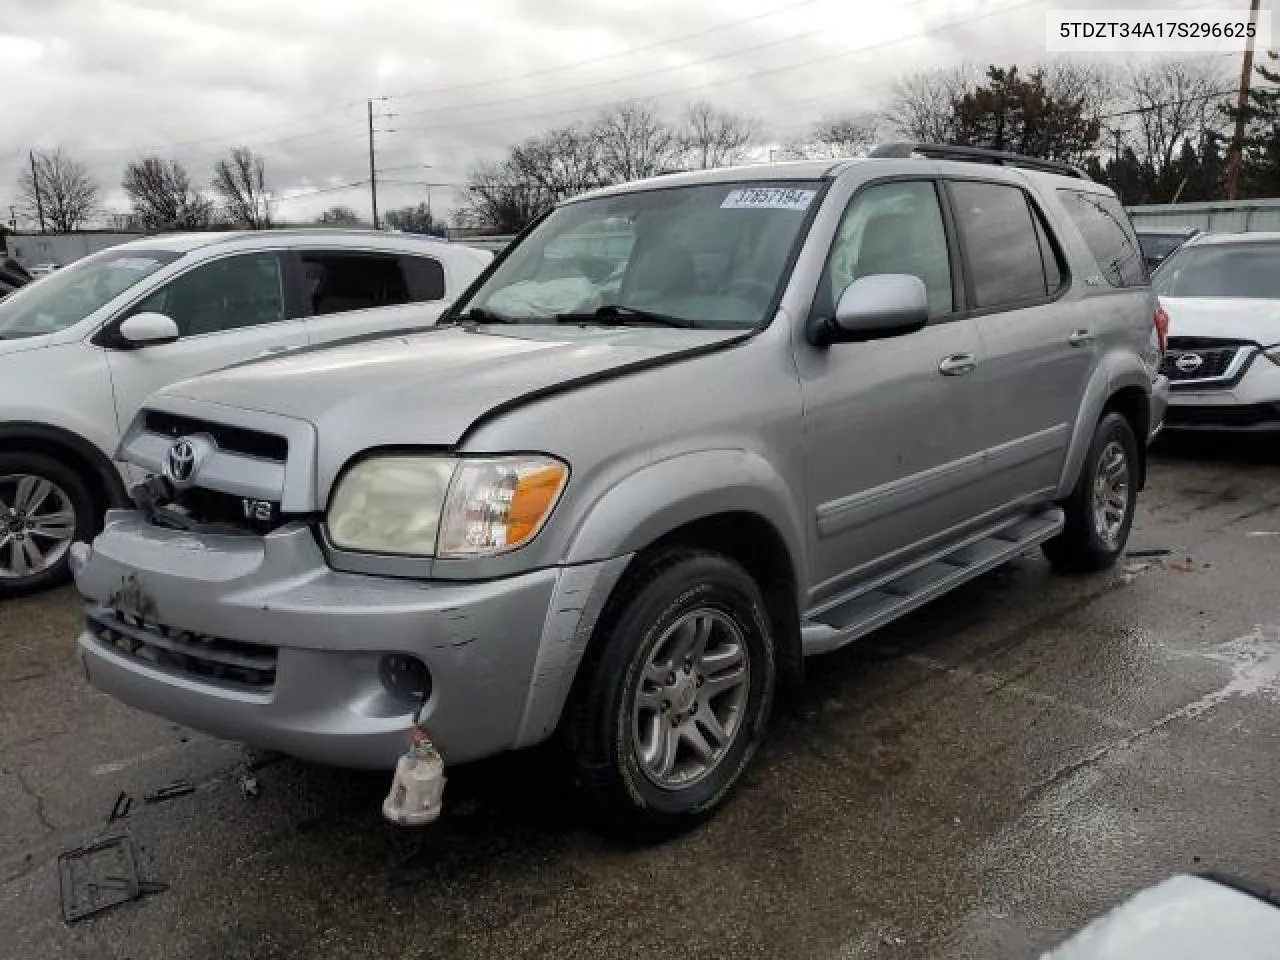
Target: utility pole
{"x": 35, "y": 185}
{"x": 373, "y": 172}
{"x": 1236, "y": 156}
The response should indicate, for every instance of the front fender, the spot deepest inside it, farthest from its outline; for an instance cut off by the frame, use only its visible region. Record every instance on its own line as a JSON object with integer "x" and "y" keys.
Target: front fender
{"x": 654, "y": 501}
{"x": 1116, "y": 371}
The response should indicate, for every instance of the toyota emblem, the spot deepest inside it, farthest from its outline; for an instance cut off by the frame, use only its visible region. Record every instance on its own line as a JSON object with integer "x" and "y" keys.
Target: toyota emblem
{"x": 1189, "y": 362}
{"x": 184, "y": 459}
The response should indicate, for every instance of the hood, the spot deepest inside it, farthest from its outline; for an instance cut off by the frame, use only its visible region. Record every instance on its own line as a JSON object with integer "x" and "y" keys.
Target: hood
{"x": 23, "y": 344}
{"x": 1234, "y": 318}
{"x": 430, "y": 387}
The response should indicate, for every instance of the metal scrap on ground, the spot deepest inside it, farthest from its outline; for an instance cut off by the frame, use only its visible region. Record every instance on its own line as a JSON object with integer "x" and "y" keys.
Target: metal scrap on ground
{"x": 101, "y": 875}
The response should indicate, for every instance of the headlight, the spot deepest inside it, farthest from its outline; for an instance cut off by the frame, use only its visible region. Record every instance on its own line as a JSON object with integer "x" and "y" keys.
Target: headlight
{"x": 390, "y": 505}
{"x": 446, "y": 507}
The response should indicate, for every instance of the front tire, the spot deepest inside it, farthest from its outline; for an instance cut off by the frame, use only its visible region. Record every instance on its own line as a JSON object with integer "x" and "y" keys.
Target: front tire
{"x": 1099, "y": 511}
{"x": 44, "y": 508}
{"x": 672, "y": 700}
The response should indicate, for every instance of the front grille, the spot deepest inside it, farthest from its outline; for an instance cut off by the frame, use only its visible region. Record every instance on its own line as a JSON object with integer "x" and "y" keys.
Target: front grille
{"x": 241, "y": 440}
{"x": 1216, "y": 357}
{"x": 246, "y": 666}
{"x": 1249, "y": 415}
{"x": 214, "y": 508}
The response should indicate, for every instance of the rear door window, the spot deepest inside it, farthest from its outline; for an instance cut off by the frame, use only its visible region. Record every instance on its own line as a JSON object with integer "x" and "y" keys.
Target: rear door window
{"x": 1002, "y": 242}
{"x": 1109, "y": 236}
{"x": 339, "y": 281}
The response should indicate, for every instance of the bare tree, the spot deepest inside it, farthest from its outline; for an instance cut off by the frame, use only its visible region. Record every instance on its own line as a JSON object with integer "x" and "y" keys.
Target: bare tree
{"x": 833, "y": 137}
{"x": 162, "y": 196}
{"x": 1172, "y": 101}
{"x": 502, "y": 199}
{"x": 710, "y": 137}
{"x": 1095, "y": 86}
{"x": 562, "y": 162}
{"x": 634, "y": 142}
{"x": 67, "y": 195}
{"x": 339, "y": 217}
{"x": 413, "y": 219}
{"x": 240, "y": 180}
{"x": 921, "y": 105}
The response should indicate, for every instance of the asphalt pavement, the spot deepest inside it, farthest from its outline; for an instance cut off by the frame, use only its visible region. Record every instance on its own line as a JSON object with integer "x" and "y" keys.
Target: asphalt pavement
{"x": 978, "y": 780}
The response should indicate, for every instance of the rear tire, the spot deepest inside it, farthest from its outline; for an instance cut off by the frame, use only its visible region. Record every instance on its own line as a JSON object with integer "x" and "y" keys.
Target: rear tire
{"x": 1099, "y": 511}
{"x": 673, "y": 697}
{"x": 44, "y": 508}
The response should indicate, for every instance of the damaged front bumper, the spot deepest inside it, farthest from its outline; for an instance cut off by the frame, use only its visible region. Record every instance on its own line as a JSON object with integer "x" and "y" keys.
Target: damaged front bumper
{"x": 256, "y": 639}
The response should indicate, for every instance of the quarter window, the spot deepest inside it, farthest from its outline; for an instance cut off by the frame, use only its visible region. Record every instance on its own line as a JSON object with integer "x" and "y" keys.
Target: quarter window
{"x": 426, "y": 278}
{"x": 1109, "y": 236}
{"x": 240, "y": 291}
{"x": 335, "y": 282}
{"x": 1002, "y": 244}
{"x": 891, "y": 228}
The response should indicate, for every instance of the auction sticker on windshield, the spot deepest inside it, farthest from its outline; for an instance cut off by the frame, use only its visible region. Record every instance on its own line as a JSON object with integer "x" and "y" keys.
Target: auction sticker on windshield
{"x": 768, "y": 198}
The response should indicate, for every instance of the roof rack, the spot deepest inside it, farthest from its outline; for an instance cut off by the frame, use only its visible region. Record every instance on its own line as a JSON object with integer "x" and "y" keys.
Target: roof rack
{"x": 943, "y": 151}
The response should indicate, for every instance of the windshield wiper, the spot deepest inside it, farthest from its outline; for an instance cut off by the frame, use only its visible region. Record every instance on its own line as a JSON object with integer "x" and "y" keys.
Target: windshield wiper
{"x": 614, "y": 314}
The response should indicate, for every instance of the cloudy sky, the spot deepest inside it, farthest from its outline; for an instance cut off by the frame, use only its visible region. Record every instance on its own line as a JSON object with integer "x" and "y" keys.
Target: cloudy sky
{"x": 111, "y": 80}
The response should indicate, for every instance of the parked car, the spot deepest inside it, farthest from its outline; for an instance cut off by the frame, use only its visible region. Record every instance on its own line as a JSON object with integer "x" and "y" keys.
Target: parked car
{"x": 624, "y": 511}
{"x": 82, "y": 348}
{"x": 1222, "y": 294}
{"x": 43, "y": 269}
{"x": 1157, "y": 244}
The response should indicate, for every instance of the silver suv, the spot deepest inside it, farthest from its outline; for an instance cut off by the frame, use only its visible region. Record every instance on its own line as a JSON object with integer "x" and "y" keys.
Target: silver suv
{"x": 683, "y": 434}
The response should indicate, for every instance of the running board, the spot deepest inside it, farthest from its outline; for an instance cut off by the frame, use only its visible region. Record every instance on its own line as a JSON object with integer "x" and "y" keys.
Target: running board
{"x": 884, "y": 599}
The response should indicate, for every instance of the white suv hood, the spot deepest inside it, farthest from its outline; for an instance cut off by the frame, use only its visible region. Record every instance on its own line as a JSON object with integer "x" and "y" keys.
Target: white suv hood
{"x": 1232, "y": 318}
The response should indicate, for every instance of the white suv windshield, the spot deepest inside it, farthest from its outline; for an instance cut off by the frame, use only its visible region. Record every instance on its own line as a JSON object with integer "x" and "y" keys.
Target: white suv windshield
{"x": 711, "y": 256}
{"x": 1245, "y": 270}
{"x": 64, "y": 298}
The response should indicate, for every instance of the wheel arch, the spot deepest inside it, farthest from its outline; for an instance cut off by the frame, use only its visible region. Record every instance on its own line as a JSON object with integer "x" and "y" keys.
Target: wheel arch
{"x": 97, "y": 470}
{"x": 1120, "y": 384}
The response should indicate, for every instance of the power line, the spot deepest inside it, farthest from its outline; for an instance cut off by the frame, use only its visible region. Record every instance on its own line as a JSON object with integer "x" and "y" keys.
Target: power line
{"x": 813, "y": 61}
{"x": 605, "y": 57}
{"x": 226, "y": 137}
{"x": 240, "y": 135}
{"x": 657, "y": 71}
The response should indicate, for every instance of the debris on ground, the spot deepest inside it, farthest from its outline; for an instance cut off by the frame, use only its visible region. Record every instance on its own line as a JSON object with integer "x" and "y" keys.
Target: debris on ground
{"x": 249, "y": 787}
{"x": 1182, "y": 566}
{"x": 120, "y": 809}
{"x": 101, "y": 875}
{"x": 179, "y": 788}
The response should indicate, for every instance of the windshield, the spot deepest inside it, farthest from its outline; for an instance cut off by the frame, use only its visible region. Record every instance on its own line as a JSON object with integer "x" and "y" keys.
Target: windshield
{"x": 65, "y": 297}
{"x": 711, "y": 257}
{"x": 1244, "y": 270}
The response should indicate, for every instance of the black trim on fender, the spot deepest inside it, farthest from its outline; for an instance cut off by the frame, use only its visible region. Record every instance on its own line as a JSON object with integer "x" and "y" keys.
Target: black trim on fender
{"x": 599, "y": 376}
{"x": 108, "y": 477}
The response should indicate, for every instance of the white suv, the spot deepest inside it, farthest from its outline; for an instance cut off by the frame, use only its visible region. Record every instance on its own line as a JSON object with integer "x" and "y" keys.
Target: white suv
{"x": 83, "y": 348}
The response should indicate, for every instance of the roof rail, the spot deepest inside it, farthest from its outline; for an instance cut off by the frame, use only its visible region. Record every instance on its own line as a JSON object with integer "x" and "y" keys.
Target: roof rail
{"x": 943, "y": 151}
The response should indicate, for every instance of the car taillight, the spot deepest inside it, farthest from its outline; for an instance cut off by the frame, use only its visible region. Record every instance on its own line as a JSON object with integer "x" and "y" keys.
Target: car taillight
{"x": 1161, "y": 321}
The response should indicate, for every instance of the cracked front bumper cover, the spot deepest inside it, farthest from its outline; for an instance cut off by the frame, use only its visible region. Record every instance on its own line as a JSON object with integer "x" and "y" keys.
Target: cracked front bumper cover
{"x": 480, "y": 641}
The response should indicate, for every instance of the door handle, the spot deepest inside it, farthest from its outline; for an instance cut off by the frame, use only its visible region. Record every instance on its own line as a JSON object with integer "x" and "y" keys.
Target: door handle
{"x": 272, "y": 350}
{"x": 1080, "y": 338}
{"x": 957, "y": 365}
